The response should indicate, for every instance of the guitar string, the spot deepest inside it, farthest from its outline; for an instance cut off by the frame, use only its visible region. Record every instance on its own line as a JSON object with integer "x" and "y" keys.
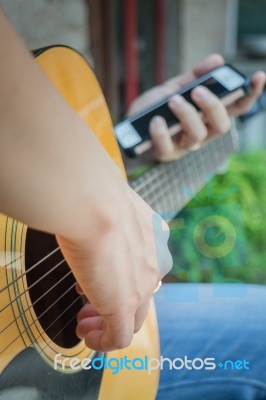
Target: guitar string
{"x": 34, "y": 357}
{"x": 52, "y": 339}
{"x": 35, "y": 302}
{"x": 31, "y": 286}
{"x": 161, "y": 169}
{"x": 37, "y": 263}
{"x": 29, "y": 269}
{"x": 214, "y": 145}
{"x": 150, "y": 176}
{"x": 155, "y": 188}
{"x": 157, "y": 173}
{"x": 159, "y": 176}
{"x": 52, "y": 324}
{"x": 194, "y": 164}
{"x": 166, "y": 196}
{"x": 34, "y": 321}
{"x": 157, "y": 195}
{"x": 43, "y": 276}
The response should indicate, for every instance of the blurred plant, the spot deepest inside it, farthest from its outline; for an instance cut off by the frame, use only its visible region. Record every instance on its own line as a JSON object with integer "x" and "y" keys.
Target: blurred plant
{"x": 238, "y": 196}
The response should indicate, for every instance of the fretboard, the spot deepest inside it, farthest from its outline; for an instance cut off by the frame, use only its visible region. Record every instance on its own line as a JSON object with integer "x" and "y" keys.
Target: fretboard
{"x": 168, "y": 187}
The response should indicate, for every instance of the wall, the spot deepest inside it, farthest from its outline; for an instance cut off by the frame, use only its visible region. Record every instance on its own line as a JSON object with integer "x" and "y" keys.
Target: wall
{"x": 204, "y": 27}
{"x": 43, "y": 22}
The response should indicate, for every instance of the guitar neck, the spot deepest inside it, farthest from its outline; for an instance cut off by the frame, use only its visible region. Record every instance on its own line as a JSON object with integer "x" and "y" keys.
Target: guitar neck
{"x": 168, "y": 187}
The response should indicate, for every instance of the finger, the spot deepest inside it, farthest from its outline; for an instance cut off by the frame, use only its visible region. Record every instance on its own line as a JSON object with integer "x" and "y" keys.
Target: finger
{"x": 140, "y": 316}
{"x": 175, "y": 83}
{"x": 242, "y": 105}
{"x": 213, "y": 110}
{"x": 87, "y": 311}
{"x": 86, "y": 325}
{"x": 161, "y": 139}
{"x": 79, "y": 289}
{"x": 117, "y": 333}
{"x": 207, "y": 64}
{"x": 194, "y": 129}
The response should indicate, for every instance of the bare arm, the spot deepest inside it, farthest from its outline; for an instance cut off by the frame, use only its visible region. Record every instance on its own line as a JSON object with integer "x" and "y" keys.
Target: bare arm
{"x": 104, "y": 229}
{"x": 46, "y": 151}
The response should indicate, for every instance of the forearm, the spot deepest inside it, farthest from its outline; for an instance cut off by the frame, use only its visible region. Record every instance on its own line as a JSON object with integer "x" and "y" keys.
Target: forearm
{"x": 50, "y": 162}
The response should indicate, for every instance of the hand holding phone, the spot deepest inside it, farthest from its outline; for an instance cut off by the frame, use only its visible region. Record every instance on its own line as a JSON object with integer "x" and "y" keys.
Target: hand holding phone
{"x": 225, "y": 82}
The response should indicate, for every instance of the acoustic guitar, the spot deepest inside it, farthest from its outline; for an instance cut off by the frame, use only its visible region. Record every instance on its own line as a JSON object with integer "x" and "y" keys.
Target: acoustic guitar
{"x": 38, "y": 300}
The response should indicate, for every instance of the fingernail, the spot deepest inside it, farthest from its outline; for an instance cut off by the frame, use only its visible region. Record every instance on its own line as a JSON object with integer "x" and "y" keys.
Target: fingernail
{"x": 176, "y": 100}
{"x": 157, "y": 122}
{"x": 200, "y": 93}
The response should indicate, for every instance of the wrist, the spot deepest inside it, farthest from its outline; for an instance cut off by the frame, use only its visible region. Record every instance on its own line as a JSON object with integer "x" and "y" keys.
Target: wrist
{"x": 98, "y": 210}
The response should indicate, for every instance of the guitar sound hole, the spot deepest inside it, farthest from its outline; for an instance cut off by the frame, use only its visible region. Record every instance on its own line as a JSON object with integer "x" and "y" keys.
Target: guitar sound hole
{"x": 54, "y": 298}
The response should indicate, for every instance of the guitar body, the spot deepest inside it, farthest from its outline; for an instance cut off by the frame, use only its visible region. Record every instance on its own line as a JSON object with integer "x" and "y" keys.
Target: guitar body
{"x": 38, "y": 300}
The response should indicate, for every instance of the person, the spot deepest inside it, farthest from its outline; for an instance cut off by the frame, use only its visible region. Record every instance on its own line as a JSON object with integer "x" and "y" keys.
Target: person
{"x": 51, "y": 191}
{"x": 215, "y": 321}
{"x": 199, "y": 321}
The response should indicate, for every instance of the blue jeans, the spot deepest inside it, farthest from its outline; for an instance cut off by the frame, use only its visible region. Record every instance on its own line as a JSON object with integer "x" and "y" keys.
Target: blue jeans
{"x": 225, "y": 322}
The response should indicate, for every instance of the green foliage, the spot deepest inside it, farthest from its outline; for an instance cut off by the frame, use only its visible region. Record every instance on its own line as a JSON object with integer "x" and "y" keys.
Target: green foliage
{"x": 238, "y": 196}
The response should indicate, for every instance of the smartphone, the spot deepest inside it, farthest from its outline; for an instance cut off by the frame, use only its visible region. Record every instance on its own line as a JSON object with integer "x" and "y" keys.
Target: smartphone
{"x": 226, "y": 82}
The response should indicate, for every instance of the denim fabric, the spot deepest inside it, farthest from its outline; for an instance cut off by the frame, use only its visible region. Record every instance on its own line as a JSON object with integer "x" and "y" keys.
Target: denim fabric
{"x": 225, "y": 322}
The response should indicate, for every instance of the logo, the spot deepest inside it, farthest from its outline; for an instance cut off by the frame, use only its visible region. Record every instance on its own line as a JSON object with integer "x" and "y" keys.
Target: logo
{"x": 208, "y": 244}
{"x": 145, "y": 363}
{"x": 215, "y": 236}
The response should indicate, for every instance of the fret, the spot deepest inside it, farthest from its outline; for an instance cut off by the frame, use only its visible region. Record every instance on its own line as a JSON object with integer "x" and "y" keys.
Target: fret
{"x": 164, "y": 197}
{"x": 158, "y": 188}
{"x": 181, "y": 187}
{"x": 158, "y": 196}
{"x": 173, "y": 188}
{"x": 167, "y": 187}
